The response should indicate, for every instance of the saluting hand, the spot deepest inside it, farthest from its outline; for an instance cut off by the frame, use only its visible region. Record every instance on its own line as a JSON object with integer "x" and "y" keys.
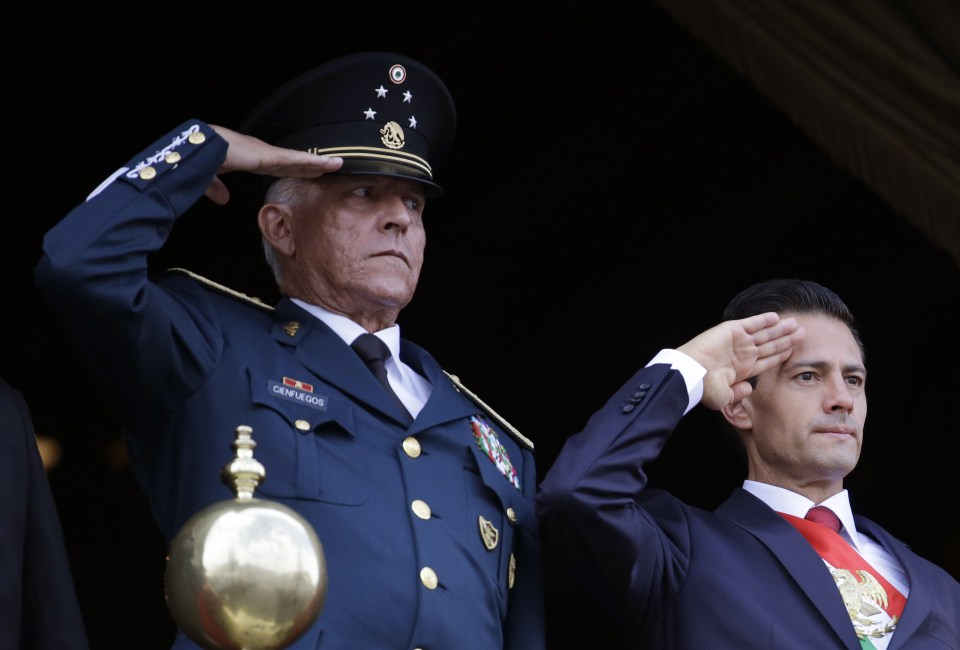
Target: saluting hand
{"x": 736, "y": 350}
{"x": 247, "y": 153}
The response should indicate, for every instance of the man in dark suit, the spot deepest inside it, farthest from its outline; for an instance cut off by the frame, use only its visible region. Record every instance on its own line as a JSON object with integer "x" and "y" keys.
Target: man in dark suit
{"x": 38, "y": 602}
{"x": 422, "y": 497}
{"x": 786, "y": 370}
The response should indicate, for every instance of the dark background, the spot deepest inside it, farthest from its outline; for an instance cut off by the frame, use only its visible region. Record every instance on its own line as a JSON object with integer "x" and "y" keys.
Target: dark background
{"x": 613, "y": 183}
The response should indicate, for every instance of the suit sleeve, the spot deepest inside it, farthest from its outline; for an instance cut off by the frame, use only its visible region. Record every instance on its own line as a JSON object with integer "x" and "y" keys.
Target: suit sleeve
{"x": 595, "y": 510}
{"x": 94, "y": 276}
{"x": 40, "y": 610}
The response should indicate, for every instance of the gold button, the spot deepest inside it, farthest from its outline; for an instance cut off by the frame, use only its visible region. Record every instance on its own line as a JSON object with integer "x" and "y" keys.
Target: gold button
{"x": 512, "y": 515}
{"x": 303, "y": 425}
{"x": 196, "y": 137}
{"x": 411, "y": 446}
{"x": 147, "y": 173}
{"x": 429, "y": 578}
{"x": 420, "y": 509}
{"x": 172, "y": 157}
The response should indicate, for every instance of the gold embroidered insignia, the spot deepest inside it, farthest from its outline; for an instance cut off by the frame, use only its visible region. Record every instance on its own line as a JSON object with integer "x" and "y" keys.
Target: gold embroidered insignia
{"x": 864, "y": 599}
{"x": 488, "y": 533}
{"x": 391, "y": 135}
{"x": 512, "y": 572}
{"x": 291, "y": 328}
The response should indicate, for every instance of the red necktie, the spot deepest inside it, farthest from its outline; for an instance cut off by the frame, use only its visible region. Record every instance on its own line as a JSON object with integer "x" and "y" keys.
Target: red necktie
{"x": 863, "y": 589}
{"x": 824, "y": 516}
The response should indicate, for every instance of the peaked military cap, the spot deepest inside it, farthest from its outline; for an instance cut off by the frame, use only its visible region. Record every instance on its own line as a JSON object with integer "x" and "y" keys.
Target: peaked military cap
{"x": 383, "y": 113}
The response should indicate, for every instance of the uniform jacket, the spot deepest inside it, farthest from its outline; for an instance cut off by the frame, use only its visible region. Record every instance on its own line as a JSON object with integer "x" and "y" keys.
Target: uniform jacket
{"x": 681, "y": 577}
{"x": 38, "y": 604}
{"x": 183, "y": 362}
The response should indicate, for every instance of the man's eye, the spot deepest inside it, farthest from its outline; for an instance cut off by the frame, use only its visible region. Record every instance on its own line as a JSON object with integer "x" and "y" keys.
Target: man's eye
{"x": 855, "y": 381}
{"x": 805, "y": 376}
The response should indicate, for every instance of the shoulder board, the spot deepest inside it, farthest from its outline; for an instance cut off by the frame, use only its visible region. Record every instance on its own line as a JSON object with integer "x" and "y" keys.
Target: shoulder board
{"x": 256, "y": 302}
{"x": 496, "y": 416}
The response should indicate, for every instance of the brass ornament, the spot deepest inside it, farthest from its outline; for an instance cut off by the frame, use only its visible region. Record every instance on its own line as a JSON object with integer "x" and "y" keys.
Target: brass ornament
{"x": 291, "y": 328}
{"x": 246, "y": 573}
{"x": 512, "y": 571}
{"x": 411, "y": 447}
{"x": 429, "y": 578}
{"x": 488, "y": 533}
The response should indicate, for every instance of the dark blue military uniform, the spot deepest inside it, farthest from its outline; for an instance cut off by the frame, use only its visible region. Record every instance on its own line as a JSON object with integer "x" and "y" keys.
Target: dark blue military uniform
{"x": 429, "y": 530}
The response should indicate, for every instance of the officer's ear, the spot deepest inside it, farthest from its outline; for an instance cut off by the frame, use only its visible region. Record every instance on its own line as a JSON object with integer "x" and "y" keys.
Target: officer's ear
{"x": 276, "y": 226}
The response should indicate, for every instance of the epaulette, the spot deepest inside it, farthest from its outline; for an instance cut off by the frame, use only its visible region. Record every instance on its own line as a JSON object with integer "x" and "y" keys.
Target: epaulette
{"x": 256, "y": 302}
{"x": 496, "y": 416}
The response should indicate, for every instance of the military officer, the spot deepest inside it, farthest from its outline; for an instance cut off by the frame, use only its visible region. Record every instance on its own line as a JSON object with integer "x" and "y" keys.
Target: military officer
{"x": 421, "y": 495}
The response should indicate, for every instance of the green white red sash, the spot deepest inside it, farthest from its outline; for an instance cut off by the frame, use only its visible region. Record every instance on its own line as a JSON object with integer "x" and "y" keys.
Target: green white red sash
{"x": 874, "y": 605}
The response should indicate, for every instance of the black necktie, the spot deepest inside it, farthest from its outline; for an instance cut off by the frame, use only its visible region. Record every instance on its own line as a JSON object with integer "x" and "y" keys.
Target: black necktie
{"x": 374, "y": 353}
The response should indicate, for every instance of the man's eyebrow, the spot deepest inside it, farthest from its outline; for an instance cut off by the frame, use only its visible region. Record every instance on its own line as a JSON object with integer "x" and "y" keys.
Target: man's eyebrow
{"x": 823, "y": 365}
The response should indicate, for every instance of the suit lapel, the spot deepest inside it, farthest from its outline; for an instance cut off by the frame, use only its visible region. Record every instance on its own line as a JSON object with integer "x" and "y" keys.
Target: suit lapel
{"x": 919, "y": 598}
{"x": 796, "y": 555}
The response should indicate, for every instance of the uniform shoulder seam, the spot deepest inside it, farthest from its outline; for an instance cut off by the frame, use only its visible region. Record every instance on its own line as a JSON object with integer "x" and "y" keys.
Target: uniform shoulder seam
{"x": 499, "y": 418}
{"x": 216, "y": 286}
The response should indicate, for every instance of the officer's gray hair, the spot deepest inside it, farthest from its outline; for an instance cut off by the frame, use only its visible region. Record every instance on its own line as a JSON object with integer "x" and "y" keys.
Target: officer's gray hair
{"x": 285, "y": 191}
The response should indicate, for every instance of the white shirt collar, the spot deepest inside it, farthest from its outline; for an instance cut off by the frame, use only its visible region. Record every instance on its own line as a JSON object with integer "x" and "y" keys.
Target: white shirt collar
{"x": 791, "y": 503}
{"x": 349, "y": 330}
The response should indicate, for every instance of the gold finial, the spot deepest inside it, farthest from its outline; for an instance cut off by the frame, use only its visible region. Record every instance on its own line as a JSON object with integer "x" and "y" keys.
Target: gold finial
{"x": 244, "y": 473}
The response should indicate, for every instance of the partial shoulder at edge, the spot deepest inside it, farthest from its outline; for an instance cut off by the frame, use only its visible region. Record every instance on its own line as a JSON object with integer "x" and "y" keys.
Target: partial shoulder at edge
{"x": 251, "y": 300}
{"x": 496, "y": 416}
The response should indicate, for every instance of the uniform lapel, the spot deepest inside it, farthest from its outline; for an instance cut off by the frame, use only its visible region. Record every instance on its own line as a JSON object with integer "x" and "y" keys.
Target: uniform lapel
{"x": 445, "y": 403}
{"x": 326, "y": 355}
{"x": 798, "y": 558}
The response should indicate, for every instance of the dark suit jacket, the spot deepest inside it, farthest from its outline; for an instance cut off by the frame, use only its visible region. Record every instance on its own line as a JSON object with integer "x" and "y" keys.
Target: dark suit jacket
{"x": 38, "y": 603}
{"x": 681, "y": 577}
{"x": 184, "y": 362}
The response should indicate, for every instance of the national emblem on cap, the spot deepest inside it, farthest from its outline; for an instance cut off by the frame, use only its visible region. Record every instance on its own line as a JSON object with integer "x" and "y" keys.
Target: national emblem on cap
{"x": 383, "y": 113}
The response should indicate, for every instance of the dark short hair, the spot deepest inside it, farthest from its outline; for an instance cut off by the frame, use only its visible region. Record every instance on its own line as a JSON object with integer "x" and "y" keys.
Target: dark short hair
{"x": 791, "y": 297}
